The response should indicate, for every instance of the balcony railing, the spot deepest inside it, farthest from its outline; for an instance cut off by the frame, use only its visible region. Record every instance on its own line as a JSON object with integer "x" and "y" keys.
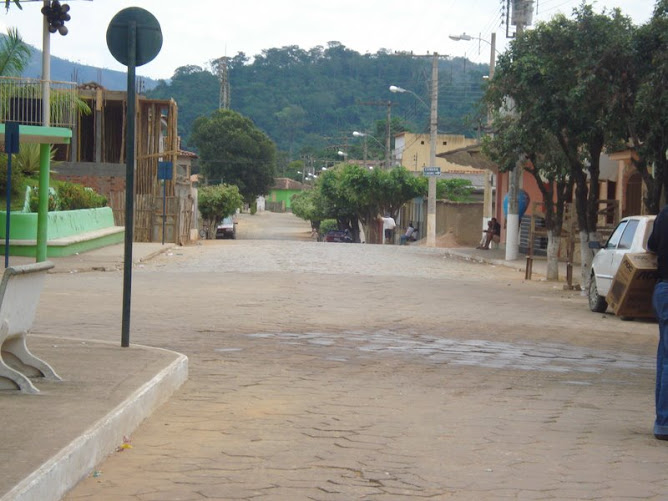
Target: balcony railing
{"x": 21, "y": 100}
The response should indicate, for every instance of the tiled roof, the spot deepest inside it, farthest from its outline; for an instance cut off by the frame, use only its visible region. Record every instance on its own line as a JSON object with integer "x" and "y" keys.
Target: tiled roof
{"x": 285, "y": 183}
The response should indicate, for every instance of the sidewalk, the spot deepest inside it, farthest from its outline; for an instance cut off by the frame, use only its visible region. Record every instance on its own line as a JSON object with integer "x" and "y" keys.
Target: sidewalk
{"x": 52, "y": 440}
{"x": 497, "y": 257}
{"x": 104, "y": 259}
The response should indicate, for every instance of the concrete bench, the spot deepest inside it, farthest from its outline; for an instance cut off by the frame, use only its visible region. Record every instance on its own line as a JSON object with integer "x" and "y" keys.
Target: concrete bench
{"x": 20, "y": 290}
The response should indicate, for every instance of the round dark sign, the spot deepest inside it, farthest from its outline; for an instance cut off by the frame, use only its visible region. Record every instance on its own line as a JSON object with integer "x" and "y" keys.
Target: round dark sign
{"x": 148, "y": 36}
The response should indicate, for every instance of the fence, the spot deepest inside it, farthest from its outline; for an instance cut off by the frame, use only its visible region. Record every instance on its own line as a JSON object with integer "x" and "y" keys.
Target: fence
{"x": 22, "y": 101}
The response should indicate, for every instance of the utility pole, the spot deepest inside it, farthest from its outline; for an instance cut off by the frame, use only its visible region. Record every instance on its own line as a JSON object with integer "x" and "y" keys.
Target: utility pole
{"x": 387, "y": 128}
{"x": 522, "y": 14}
{"x": 433, "y": 137}
{"x": 387, "y": 136}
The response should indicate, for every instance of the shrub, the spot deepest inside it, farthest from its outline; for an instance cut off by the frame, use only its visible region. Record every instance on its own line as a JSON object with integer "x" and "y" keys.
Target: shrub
{"x": 74, "y": 196}
{"x": 69, "y": 196}
{"x": 328, "y": 225}
{"x": 18, "y": 179}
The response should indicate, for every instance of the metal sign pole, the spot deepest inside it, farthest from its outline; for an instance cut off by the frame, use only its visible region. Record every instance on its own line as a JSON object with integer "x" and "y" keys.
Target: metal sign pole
{"x": 129, "y": 186}
{"x": 11, "y": 146}
{"x": 134, "y": 38}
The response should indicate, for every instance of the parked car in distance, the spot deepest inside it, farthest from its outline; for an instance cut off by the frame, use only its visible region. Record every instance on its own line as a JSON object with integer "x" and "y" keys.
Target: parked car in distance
{"x": 227, "y": 228}
{"x": 338, "y": 236}
{"x": 630, "y": 235}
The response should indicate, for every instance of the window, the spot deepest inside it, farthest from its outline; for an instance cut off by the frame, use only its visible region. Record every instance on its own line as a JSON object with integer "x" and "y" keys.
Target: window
{"x": 616, "y": 236}
{"x": 627, "y": 237}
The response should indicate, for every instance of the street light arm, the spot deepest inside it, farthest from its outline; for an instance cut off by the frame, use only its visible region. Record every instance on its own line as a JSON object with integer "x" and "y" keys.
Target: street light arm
{"x": 467, "y": 38}
{"x": 401, "y": 90}
{"x": 366, "y": 134}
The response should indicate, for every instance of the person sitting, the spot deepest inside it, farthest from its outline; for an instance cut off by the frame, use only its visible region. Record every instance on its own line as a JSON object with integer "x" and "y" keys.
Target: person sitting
{"x": 492, "y": 234}
{"x": 410, "y": 234}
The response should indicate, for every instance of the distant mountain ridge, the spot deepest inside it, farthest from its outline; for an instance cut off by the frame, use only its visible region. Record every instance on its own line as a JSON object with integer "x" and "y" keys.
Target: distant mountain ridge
{"x": 68, "y": 71}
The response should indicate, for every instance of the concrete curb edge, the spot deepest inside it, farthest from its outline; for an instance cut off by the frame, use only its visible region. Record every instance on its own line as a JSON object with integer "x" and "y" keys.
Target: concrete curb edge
{"x": 68, "y": 467}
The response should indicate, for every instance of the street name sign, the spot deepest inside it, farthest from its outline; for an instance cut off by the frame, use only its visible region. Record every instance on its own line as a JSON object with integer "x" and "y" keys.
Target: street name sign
{"x": 431, "y": 171}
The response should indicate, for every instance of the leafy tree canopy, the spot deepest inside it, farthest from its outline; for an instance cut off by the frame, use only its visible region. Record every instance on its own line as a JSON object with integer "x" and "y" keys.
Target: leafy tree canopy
{"x": 351, "y": 193}
{"x": 218, "y": 201}
{"x": 234, "y": 151}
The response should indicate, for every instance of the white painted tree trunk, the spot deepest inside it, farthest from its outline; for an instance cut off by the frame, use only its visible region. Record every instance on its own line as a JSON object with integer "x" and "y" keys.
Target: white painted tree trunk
{"x": 553, "y": 242}
{"x": 586, "y": 257}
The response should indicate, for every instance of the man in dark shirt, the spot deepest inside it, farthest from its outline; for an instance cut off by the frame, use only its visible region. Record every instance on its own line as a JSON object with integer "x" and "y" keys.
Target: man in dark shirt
{"x": 658, "y": 243}
{"x": 492, "y": 234}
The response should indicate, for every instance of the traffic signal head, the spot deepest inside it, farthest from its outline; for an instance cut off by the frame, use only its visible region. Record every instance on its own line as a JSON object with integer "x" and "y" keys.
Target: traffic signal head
{"x": 56, "y": 15}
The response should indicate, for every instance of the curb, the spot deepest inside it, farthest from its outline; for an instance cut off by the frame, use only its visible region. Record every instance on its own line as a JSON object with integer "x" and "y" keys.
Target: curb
{"x": 71, "y": 464}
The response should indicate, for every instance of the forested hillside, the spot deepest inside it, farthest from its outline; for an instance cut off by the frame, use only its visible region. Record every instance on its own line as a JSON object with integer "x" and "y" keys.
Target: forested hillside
{"x": 314, "y": 99}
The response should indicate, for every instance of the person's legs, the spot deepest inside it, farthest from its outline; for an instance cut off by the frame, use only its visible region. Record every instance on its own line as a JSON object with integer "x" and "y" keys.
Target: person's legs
{"x": 660, "y": 303}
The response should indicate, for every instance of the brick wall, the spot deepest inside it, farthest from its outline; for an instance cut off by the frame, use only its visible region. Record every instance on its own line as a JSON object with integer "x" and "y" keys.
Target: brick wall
{"x": 103, "y": 178}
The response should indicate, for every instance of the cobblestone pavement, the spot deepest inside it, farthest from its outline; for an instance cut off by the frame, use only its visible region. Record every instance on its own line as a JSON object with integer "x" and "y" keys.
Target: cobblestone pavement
{"x": 337, "y": 372}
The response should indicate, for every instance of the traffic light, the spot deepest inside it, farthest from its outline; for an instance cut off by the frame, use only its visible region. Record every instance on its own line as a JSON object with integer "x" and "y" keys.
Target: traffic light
{"x": 56, "y": 15}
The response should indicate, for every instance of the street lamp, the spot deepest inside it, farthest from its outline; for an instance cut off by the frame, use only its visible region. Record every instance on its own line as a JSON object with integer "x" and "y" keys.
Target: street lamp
{"x": 492, "y": 56}
{"x": 401, "y": 90}
{"x": 433, "y": 132}
{"x": 365, "y": 135}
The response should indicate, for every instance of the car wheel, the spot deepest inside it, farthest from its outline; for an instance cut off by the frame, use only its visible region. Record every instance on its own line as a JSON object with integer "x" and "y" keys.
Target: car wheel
{"x": 597, "y": 303}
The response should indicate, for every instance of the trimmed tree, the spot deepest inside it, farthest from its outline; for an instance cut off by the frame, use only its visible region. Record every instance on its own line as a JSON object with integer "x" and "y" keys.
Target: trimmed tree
{"x": 217, "y": 202}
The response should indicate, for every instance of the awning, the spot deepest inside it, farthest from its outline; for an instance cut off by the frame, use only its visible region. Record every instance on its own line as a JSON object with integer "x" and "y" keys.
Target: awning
{"x": 469, "y": 156}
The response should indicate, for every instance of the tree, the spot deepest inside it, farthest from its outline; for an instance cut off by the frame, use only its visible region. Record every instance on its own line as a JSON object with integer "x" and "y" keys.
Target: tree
{"x": 646, "y": 105}
{"x": 308, "y": 205}
{"x": 564, "y": 78}
{"x": 455, "y": 190}
{"x": 352, "y": 194}
{"x": 14, "y": 53}
{"x": 548, "y": 166}
{"x": 233, "y": 151}
{"x": 217, "y": 202}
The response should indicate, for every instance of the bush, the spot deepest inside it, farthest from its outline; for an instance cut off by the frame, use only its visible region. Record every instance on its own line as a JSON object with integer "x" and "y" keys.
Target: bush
{"x": 328, "y": 225}
{"x": 69, "y": 196}
{"x": 74, "y": 196}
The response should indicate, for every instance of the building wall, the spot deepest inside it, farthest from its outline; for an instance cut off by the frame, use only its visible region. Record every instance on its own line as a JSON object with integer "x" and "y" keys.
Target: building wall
{"x": 283, "y": 196}
{"x": 461, "y": 219}
{"x": 412, "y": 151}
{"x": 104, "y": 178}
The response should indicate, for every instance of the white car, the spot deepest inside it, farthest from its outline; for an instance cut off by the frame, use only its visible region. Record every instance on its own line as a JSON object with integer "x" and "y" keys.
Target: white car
{"x": 630, "y": 235}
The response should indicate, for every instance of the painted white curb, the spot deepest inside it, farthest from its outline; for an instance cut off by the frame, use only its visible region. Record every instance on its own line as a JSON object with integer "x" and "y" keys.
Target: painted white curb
{"x": 66, "y": 469}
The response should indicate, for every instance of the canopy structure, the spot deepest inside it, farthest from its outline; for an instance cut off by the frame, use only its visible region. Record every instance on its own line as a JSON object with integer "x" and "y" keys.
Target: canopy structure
{"x": 45, "y": 137}
{"x": 40, "y": 134}
{"x": 469, "y": 156}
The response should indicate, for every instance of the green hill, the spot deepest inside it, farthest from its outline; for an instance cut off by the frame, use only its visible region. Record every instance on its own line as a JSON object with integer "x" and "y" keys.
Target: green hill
{"x": 315, "y": 99}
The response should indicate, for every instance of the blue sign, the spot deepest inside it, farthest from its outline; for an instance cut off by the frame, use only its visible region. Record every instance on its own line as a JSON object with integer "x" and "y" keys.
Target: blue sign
{"x": 11, "y": 137}
{"x": 165, "y": 170}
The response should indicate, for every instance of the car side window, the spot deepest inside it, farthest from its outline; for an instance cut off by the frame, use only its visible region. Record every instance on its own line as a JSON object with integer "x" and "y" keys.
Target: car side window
{"x": 616, "y": 236}
{"x": 627, "y": 237}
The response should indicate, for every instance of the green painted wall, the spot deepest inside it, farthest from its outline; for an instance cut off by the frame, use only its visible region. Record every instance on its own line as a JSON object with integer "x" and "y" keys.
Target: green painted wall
{"x": 68, "y": 232}
{"x": 23, "y": 225}
{"x": 283, "y": 196}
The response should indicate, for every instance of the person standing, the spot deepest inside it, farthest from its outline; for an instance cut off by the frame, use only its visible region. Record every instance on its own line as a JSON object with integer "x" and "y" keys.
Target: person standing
{"x": 658, "y": 244}
{"x": 388, "y": 228}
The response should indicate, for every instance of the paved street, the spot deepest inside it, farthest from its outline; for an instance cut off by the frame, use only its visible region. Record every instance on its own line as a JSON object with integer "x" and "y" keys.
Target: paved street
{"x": 336, "y": 371}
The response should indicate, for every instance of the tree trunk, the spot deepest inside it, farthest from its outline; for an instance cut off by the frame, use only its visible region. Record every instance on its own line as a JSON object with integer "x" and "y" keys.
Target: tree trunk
{"x": 553, "y": 242}
{"x": 586, "y": 257}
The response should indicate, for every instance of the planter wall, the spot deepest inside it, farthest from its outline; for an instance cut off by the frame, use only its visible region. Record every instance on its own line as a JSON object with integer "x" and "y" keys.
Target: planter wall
{"x": 68, "y": 232}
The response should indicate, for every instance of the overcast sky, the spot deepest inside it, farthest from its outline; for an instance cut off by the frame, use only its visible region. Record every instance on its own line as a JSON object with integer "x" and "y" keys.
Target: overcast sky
{"x": 197, "y": 31}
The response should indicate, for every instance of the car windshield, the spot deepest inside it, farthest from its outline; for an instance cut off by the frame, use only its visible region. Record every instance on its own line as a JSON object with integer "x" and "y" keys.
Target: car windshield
{"x": 227, "y": 221}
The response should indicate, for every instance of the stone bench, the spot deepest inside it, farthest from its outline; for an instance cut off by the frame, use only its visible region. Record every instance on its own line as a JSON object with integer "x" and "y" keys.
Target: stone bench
{"x": 20, "y": 290}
